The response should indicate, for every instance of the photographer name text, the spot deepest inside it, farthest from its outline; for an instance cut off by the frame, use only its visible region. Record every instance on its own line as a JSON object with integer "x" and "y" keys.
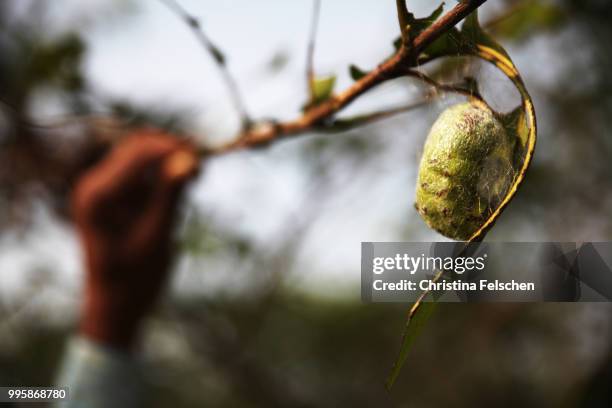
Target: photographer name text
{"x": 457, "y": 285}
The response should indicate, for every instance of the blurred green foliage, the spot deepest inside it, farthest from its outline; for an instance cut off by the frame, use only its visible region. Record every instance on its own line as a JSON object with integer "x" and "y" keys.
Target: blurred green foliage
{"x": 526, "y": 18}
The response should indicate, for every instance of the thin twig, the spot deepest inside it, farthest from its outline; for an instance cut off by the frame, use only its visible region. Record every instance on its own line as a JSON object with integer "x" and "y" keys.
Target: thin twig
{"x": 195, "y": 26}
{"x": 341, "y": 125}
{"x": 312, "y": 39}
{"x": 393, "y": 67}
{"x": 454, "y": 88}
{"x": 403, "y": 17}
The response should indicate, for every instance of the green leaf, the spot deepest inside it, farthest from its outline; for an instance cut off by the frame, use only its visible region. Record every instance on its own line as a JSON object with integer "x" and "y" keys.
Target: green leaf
{"x": 356, "y": 72}
{"x": 58, "y": 61}
{"x": 323, "y": 88}
{"x": 467, "y": 41}
{"x": 515, "y": 124}
{"x": 414, "y": 325}
{"x": 418, "y": 25}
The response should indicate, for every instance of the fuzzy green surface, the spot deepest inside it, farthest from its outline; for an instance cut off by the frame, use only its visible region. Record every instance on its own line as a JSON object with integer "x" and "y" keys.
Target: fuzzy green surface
{"x": 465, "y": 171}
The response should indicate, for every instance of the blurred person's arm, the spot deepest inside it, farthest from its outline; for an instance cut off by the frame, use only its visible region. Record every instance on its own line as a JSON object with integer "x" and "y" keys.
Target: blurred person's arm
{"x": 125, "y": 209}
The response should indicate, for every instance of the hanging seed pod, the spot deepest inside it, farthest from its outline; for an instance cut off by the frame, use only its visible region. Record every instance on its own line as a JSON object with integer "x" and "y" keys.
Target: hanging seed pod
{"x": 465, "y": 171}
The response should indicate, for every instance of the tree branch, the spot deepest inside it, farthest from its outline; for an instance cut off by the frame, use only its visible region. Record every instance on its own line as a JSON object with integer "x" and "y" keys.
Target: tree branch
{"x": 393, "y": 67}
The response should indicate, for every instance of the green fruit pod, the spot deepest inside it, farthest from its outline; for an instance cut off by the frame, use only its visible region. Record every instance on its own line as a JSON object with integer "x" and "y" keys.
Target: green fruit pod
{"x": 465, "y": 171}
